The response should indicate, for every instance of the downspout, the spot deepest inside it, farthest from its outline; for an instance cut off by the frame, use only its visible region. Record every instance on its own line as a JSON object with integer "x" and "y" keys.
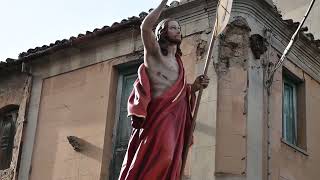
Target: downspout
{"x": 267, "y": 92}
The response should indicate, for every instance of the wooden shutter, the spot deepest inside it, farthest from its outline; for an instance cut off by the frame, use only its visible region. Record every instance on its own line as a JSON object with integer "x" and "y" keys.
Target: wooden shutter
{"x": 124, "y": 128}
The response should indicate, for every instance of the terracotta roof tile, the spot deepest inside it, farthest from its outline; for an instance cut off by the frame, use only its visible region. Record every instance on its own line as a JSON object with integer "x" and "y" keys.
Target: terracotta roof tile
{"x": 9, "y": 65}
{"x": 46, "y": 49}
{"x": 38, "y": 51}
{"x": 143, "y": 14}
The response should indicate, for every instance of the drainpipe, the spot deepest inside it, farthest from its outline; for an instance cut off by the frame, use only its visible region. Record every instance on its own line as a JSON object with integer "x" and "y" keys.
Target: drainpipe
{"x": 267, "y": 93}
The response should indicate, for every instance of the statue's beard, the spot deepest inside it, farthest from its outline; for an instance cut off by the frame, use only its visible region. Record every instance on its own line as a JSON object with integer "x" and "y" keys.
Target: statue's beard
{"x": 173, "y": 40}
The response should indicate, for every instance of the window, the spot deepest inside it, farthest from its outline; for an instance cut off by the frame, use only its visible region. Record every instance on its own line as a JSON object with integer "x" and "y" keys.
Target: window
{"x": 123, "y": 125}
{"x": 8, "y": 117}
{"x": 293, "y": 110}
{"x": 290, "y": 112}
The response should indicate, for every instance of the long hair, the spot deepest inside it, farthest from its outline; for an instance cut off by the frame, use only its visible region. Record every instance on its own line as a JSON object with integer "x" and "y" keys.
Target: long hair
{"x": 162, "y": 37}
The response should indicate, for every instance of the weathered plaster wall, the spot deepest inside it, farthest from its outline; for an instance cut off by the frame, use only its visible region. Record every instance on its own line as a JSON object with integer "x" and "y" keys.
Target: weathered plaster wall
{"x": 202, "y": 154}
{"x": 72, "y": 104}
{"x": 12, "y": 92}
{"x": 11, "y": 89}
{"x": 303, "y": 56}
{"x": 232, "y": 68}
{"x": 286, "y": 162}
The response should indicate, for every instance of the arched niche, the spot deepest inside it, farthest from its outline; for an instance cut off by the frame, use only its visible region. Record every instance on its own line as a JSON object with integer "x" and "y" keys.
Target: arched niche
{"x": 8, "y": 118}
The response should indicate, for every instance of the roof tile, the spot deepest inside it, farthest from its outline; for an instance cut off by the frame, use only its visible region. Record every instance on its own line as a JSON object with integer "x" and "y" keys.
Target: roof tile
{"x": 38, "y": 51}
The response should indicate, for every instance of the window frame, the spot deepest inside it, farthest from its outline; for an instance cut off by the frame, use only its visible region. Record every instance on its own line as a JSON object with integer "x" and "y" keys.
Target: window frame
{"x": 13, "y": 110}
{"x": 299, "y": 101}
{"x": 124, "y": 70}
{"x": 293, "y": 85}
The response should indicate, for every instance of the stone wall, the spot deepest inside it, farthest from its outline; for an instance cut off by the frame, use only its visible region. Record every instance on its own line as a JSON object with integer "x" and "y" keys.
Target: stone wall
{"x": 232, "y": 69}
{"x": 11, "y": 89}
{"x": 287, "y": 162}
{"x": 14, "y": 90}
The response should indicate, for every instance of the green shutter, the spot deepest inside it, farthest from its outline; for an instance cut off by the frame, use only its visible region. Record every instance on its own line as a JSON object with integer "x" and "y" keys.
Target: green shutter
{"x": 289, "y": 113}
{"x": 123, "y": 128}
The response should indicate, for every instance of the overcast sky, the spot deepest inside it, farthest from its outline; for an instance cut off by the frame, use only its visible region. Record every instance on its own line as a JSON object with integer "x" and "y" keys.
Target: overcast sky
{"x": 27, "y": 24}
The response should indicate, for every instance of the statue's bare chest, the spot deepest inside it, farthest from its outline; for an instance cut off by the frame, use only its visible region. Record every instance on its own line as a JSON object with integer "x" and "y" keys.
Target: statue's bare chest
{"x": 163, "y": 74}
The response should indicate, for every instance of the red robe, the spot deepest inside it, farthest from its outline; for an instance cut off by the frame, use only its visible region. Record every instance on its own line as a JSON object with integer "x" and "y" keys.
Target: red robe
{"x": 156, "y": 144}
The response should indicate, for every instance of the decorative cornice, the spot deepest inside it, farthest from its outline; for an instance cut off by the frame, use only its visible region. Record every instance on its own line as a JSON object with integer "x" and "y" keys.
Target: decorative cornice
{"x": 305, "y": 53}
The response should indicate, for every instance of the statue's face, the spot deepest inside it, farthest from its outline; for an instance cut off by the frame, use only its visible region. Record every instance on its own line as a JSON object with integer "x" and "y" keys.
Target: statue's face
{"x": 174, "y": 32}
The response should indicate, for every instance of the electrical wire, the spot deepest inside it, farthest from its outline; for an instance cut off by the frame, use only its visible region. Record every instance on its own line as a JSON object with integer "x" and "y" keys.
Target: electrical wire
{"x": 289, "y": 46}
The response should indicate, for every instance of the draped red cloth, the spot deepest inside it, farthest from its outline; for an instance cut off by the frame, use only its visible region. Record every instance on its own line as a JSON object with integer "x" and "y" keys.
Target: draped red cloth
{"x": 157, "y": 142}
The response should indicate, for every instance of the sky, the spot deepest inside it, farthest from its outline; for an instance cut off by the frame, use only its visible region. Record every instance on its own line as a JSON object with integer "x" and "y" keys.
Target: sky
{"x": 27, "y": 24}
{"x": 296, "y": 10}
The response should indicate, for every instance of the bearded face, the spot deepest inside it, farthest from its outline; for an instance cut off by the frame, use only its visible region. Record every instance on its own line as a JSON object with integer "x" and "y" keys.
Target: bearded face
{"x": 168, "y": 32}
{"x": 174, "y": 32}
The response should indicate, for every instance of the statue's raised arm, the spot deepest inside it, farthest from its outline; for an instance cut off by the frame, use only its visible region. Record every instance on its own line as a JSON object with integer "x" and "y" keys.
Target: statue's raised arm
{"x": 151, "y": 46}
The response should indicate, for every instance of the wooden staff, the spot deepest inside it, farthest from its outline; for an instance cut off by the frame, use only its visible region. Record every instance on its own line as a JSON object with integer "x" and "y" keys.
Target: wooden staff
{"x": 289, "y": 46}
{"x": 222, "y": 19}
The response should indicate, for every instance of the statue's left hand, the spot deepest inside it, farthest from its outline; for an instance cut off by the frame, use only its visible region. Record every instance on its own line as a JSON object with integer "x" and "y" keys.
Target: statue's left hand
{"x": 202, "y": 80}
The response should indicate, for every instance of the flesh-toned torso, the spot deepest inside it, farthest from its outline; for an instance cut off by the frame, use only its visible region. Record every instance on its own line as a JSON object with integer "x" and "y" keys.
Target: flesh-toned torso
{"x": 163, "y": 72}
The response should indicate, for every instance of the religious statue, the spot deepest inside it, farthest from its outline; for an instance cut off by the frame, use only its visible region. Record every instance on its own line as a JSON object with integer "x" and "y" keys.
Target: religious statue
{"x": 160, "y": 104}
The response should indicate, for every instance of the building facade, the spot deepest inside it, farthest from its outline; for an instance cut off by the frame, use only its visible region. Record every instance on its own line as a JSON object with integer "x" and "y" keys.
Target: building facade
{"x": 248, "y": 128}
